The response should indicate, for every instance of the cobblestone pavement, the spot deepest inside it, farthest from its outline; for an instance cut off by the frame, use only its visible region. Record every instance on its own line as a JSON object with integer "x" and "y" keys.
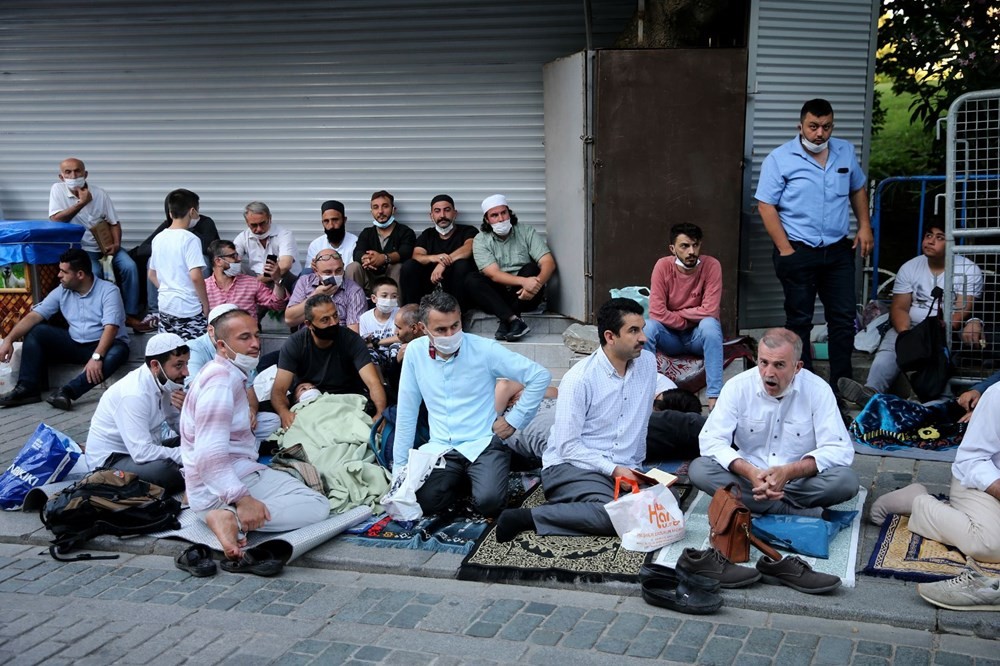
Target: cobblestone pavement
{"x": 141, "y": 609}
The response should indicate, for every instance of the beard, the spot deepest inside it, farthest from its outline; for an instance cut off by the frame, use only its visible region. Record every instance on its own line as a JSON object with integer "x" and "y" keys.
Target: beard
{"x": 336, "y": 235}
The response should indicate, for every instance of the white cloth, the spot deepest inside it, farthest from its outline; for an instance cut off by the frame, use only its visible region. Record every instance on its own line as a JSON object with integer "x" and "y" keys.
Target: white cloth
{"x": 368, "y": 325}
{"x": 977, "y": 461}
{"x": 915, "y": 277}
{"x": 601, "y": 417}
{"x": 771, "y": 432}
{"x": 346, "y": 249}
{"x": 175, "y": 252}
{"x": 100, "y": 208}
{"x": 280, "y": 241}
{"x": 128, "y": 419}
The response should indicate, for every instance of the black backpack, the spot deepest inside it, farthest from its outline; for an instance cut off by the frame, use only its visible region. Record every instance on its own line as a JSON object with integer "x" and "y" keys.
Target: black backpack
{"x": 107, "y": 501}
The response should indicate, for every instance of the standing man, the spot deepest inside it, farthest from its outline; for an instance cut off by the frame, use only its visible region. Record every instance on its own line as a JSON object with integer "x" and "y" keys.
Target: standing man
{"x": 514, "y": 265}
{"x": 327, "y": 280}
{"x": 96, "y": 335}
{"x": 599, "y": 432}
{"x": 383, "y": 247}
{"x": 805, "y": 189}
{"x": 685, "y": 304}
{"x": 262, "y": 239}
{"x": 335, "y": 234}
{"x": 455, "y": 376}
{"x": 74, "y": 200}
{"x": 228, "y": 283}
{"x": 442, "y": 256}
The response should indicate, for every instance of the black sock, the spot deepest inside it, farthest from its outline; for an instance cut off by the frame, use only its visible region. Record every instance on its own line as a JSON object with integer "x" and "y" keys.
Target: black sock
{"x": 512, "y": 522}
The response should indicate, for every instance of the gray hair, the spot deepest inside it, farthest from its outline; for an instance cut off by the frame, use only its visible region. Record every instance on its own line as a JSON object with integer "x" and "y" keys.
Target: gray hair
{"x": 257, "y": 208}
{"x": 409, "y": 314}
{"x": 775, "y": 338}
{"x": 316, "y": 301}
{"x": 439, "y": 300}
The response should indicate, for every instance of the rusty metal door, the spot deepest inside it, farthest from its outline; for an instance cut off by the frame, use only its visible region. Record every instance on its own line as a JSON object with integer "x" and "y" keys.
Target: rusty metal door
{"x": 668, "y": 149}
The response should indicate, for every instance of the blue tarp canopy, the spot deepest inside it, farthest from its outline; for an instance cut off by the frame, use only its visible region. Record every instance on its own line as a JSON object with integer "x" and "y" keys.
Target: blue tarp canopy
{"x": 37, "y": 242}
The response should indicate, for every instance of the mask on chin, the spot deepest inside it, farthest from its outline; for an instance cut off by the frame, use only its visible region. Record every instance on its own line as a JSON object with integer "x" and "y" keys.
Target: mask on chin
{"x": 813, "y": 148}
{"x": 244, "y": 362}
{"x": 444, "y": 231}
{"x": 194, "y": 222}
{"x": 167, "y": 385}
{"x": 386, "y": 224}
{"x": 336, "y": 235}
{"x": 233, "y": 269}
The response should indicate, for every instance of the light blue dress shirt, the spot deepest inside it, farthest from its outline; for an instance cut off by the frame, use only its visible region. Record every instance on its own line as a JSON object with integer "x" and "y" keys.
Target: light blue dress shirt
{"x": 812, "y": 201}
{"x": 459, "y": 394}
{"x": 89, "y": 313}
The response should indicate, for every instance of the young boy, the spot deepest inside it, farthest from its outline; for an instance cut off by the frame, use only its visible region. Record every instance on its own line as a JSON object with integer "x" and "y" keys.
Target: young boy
{"x": 378, "y": 326}
{"x": 175, "y": 267}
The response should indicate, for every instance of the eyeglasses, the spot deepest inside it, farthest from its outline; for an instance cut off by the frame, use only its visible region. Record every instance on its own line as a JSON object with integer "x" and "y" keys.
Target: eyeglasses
{"x": 231, "y": 257}
{"x": 325, "y": 257}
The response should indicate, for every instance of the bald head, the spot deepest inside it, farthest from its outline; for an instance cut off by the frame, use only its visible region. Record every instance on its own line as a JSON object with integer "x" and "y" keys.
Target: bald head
{"x": 71, "y": 168}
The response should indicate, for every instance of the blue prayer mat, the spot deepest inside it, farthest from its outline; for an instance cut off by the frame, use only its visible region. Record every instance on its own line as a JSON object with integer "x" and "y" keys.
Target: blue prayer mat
{"x": 891, "y": 423}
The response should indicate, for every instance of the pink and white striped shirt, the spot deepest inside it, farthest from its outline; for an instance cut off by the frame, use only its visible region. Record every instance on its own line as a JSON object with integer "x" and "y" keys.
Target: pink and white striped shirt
{"x": 246, "y": 292}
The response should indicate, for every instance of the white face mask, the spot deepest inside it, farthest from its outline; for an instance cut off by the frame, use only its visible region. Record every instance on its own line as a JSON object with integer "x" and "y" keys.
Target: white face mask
{"x": 448, "y": 344}
{"x": 338, "y": 280}
{"x": 168, "y": 385}
{"x": 310, "y": 394}
{"x": 263, "y": 235}
{"x": 502, "y": 228}
{"x": 233, "y": 269}
{"x": 386, "y": 224}
{"x": 813, "y": 148}
{"x": 386, "y": 305}
{"x": 75, "y": 183}
{"x": 683, "y": 265}
{"x": 242, "y": 361}
{"x": 194, "y": 221}
{"x": 444, "y": 231}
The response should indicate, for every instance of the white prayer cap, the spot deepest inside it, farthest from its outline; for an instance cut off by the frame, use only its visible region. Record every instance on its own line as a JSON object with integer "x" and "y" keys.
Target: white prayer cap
{"x": 161, "y": 343}
{"x": 663, "y": 383}
{"x": 493, "y": 202}
{"x": 220, "y": 310}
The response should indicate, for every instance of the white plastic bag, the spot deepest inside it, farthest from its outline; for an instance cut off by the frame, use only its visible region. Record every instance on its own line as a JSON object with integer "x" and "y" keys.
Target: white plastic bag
{"x": 10, "y": 370}
{"x": 869, "y": 339}
{"x": 263, "y": 383}
{"x": 648, "y": 519}
{"x": 401, "y": 500}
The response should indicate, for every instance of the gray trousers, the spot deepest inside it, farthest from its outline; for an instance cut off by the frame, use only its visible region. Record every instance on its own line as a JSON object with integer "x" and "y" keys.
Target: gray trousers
{"x": 884, "y": 369}
{"x": 164, "y": 472}
{"x": 829, "y": 487}
{"x": 291, "y": 503}
{"x": 575, "y": 500}
{"x": 486, "y": 478}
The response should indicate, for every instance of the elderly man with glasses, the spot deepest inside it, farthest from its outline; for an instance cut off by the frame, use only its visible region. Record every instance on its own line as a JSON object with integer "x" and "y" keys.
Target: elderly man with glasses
{"x": 327, "y": 279}
{"x": 262, "y": 239}
{"x": 228, "y": 284}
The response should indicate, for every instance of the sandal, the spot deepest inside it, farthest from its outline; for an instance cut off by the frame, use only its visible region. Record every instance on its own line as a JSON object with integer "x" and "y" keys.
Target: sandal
{"x": 197, "y": 561}
{"x": 257, "y": 560}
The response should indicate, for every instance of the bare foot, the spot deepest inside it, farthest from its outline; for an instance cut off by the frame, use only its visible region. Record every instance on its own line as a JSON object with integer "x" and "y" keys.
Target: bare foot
{"x": 223, "y": 524}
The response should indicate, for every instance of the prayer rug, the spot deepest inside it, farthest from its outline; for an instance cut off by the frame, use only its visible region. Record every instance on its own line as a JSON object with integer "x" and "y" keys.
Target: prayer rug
{"x": 843, "y": 547}
{"x": 688, "y": 371}
{"x": 891, "y": 426}
{"x": 899, "y": 553}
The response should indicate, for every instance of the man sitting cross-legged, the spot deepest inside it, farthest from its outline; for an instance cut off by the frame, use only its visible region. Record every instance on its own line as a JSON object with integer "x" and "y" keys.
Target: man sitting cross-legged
{"x": 226, "y": 486}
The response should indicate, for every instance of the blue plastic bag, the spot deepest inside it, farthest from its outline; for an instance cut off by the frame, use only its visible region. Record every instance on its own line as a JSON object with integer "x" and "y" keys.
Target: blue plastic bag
{"x": 638, "y": 294}
{"x": 802, "y": 534}
{"x": 46, "y": 457}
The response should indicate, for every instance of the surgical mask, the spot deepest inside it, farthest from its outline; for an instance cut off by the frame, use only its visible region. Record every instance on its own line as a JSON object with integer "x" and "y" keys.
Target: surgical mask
{"x": 813, "y": 148}
{"x": 168, "y": 385}
{"x": 75, "y": 183}
{"x": 447, "y": 344}
{"x": 310, "y": 394}
{"x": 263, "y": 235}
{"x": 233, "y": 269}
{"x": 502, "y": 228}
{"x": 386, "y": 305}
{"x": 683, "y": 265}
{"x": 444, "y": 231}
{"x": 386, "y": 224}
{"x": 337, "y": 279}
{"x": 328, "y": 333}
{"x": 194, "y": 221}
{"x": 336, "y": 235}
{"x": 244, "y": 362}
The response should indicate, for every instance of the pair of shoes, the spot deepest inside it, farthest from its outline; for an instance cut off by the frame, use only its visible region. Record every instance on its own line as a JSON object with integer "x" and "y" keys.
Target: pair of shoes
{"x": 651, "y": 570}
{"x": 197, "y": 561}
{"x": 712, "y": 564}
{"x": 855, "y": 392}
{"x": 797, "y": 574}
{"x": 257, "y": 560}
{"x": 518, "y": 329}
{"x": 140, "y": 326}
{"x": 20, "y": 395}
{"x": 502, "y": 330}
{"x": 60, "y": 400}
{"x": 678, "y": 596}
{"x": 972, "y": 590}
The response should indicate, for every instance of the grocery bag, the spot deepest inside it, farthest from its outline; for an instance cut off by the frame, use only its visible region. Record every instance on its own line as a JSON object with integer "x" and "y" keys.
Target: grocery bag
{"x": 46, "y": 457}
{"x": 645, "y": 519}
{"x": 401, "y": 500}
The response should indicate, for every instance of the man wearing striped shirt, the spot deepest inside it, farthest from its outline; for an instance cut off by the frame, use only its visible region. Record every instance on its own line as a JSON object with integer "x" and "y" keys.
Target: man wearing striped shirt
{"x": 229, "y": 284}
{"x": 599, "y": 432}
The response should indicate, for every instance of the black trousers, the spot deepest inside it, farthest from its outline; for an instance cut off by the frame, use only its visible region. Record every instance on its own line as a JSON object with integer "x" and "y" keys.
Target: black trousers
{"x": 415, "y": 281}
{"x": 499, "y": 299}
{"x": 486, "y": 478}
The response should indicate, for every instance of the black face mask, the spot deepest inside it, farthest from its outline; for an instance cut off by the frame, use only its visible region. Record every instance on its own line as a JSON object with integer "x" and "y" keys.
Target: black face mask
{"x": 328, "y": 333}
{"x": 336, "y": 235}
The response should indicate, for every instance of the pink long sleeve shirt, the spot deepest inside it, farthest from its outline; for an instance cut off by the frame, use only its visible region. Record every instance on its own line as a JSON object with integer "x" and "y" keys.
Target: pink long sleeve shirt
{"x": 679, "y": 300}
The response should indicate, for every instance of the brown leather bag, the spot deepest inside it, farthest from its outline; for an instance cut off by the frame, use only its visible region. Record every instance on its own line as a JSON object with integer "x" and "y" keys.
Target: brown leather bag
{"x": 729, "y": 524}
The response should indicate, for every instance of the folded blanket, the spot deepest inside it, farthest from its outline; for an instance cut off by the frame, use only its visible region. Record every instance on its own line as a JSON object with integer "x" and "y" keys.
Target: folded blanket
{"x": 891, "y": 423}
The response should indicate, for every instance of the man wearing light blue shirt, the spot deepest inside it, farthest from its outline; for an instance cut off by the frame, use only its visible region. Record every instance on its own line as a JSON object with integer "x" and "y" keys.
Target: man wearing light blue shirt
{"x": 806, "y": 186}
{"x": 455, "y": 376}
{"x": 599, "y": 431}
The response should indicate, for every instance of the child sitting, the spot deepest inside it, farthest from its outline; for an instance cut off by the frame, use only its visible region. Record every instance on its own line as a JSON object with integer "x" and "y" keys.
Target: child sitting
{"x": 377, "y": 326}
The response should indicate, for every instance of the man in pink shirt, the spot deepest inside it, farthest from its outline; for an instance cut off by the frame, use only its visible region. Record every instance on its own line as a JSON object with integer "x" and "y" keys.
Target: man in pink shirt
{"x": 684, "y": 305}
{"x": 229, "y": 284}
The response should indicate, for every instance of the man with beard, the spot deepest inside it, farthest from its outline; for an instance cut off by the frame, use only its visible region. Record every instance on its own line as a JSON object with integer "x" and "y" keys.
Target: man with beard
{"x": 335, "y": 234}
{"x": 383, "y": 247}
{"x": 685, "y": 303}
{"x": 442, "y": 256}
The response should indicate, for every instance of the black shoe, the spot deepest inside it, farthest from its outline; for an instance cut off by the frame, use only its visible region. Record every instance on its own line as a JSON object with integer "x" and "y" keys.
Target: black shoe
{"x": 502, "y": 330}
{"x": 651, "y": 570}
{"x": 712, "y": 564}
{"x": 855, "y": 392}
{"x": 60, "y": 400}
{"x": 518, "y": 329}
{"x": 796, "y": 574}
{"x": 678, "y": 597}
{"x": 20, "y": 395}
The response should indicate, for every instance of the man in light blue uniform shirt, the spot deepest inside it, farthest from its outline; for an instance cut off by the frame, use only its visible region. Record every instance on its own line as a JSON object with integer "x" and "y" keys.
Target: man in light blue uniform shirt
{"x": 455, "y": 376}
{"x": 803, "y": 195}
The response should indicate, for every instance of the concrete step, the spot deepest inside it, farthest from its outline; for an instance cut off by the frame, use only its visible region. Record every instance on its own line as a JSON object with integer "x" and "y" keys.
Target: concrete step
{"x": 545, "y": 322}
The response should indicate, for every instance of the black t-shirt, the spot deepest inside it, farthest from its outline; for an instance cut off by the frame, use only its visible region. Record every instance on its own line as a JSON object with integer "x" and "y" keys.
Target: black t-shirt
{"x": 430, "y": 240}
{"x": 332, "y": 370}
{"x": 400, "y": 239}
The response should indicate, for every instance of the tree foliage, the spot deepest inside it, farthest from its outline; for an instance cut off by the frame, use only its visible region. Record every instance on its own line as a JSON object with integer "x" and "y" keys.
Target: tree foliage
{"x": 937, "y": 50}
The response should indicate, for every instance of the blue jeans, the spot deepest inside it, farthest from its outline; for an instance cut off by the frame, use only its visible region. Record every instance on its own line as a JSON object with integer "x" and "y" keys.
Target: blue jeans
{"x": 705, "y": 339}
{"x": 128, "y": 276}
{"x": 46, "y": 344}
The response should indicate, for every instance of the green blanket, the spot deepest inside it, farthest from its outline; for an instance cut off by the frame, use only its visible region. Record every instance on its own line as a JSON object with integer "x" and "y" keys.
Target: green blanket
{"x": 333, "y": 430}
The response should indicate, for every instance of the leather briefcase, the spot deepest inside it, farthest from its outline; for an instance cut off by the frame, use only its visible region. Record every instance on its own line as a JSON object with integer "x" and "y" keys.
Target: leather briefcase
{"x": 729, "y": 524}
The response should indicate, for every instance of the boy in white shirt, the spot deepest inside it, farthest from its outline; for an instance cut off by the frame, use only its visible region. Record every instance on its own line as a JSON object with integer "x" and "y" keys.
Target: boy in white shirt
{"x": 175, "y": 267}
{"x": 378, "y": 326}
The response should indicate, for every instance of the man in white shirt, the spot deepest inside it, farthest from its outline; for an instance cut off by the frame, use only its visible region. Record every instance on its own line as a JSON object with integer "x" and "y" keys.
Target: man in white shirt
{"x": 261, "y": 239}
{"x": 792, "y": 452}
{"x": 599, "y": 432}
{"x": 335, "y": 234}
{"x": 127, "y": 429}
{"x": 75, "y": 200}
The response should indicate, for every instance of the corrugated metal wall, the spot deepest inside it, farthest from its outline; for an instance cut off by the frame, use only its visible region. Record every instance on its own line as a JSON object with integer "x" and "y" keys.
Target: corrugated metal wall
{"x": 290, "y": 103}
{"x": 799, "y": 49}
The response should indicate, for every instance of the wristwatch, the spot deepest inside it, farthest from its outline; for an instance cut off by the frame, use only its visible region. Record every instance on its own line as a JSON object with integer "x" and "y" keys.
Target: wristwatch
{"x": 95, "y": 356}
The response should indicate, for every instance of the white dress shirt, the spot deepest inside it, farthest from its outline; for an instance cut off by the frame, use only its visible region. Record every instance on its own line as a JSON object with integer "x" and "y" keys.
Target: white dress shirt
{"x": 280, "y": 241}
{"x": 977, "y": 461}
{"x": 770, "y": 432}
{"x": 99, "y": 208}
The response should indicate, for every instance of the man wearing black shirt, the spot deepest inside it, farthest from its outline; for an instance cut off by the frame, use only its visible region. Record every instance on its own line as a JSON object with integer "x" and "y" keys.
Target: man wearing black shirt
{"x": 327, "y": 357}
{"x": 442, "y": 256}
{"x": 383, "y": 247}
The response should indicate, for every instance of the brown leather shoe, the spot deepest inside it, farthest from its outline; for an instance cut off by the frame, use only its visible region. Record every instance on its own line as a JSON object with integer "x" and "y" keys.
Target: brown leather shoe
{"x": 796, "y": 574}
{"x": 139, "y": 326}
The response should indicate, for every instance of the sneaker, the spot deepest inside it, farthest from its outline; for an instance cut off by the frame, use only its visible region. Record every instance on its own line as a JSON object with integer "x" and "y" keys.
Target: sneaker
{"x": 712, "y": 564}
{"x": 20, "y": 395}
{"x": 60, "y": 400}
{"x": 518, "y": 329}
{"x": 973, "y": 590}
{"x": 797, "y": 574}
{"x": 855, "y": 392}
{"x": 502, "y": 330}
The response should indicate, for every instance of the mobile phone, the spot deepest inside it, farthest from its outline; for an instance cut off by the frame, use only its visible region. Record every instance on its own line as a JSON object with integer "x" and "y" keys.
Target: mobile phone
{"x": 272, "y": 257}
{"x": 329, "y": 281}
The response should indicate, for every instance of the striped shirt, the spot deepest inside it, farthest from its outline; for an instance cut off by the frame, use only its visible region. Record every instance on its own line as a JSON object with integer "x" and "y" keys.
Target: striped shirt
{"x": 245, "y": 292}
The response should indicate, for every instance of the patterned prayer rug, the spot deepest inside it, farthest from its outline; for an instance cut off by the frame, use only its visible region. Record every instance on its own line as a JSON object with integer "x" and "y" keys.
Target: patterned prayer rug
{"x": 899, "y": 553}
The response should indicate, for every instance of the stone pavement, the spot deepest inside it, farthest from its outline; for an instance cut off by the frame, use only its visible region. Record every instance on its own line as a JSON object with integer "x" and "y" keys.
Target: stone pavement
{"x": 141, "y": 609}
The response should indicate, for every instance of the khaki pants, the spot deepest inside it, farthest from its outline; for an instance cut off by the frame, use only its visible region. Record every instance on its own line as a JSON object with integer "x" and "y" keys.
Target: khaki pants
{"x": 971, "y": 522}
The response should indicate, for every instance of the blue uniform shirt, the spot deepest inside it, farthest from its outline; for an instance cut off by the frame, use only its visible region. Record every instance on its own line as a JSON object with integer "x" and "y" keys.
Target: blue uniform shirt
{"x": 812, "y": 201}
{"x": 88, "y": 313}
